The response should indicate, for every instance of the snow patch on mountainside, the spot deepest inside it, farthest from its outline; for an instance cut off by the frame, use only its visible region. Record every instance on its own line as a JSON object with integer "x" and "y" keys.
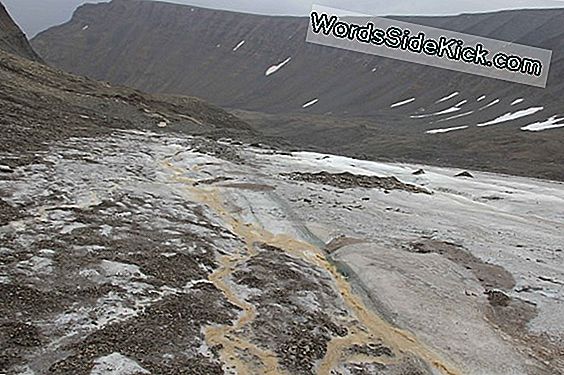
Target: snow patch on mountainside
{"x": 443, "y": 112}
{"x": 446, "y": 130}
{"x": 492, "y": 103}
{"x": 551, "y": 123}
{"x": 239, "y": 45}
{"x": 512, "y": 116}
{"x": 404, "y": 102}
{"x": 274, "y": 68}
{"x": 310, "y": 103}
{"x": 454, "y": 94}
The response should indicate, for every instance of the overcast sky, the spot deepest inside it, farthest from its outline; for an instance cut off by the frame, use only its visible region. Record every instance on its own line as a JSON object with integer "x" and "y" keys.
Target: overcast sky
{"x": 37, "y": 15}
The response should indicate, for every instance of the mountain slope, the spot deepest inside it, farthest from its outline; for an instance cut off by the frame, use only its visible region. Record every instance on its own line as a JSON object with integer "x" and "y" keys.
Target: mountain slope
{"x": 12, "y": 39}
{"x": 40, "y": 103}
{"x": 126, "y": 248}
{"x": 173, "y": 48}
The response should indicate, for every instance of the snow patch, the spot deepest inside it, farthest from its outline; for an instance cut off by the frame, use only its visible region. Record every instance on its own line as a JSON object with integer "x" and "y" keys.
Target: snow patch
{"x": 513, "y": 116}
{"x": 310, "y": 103}
{"x": 443, "y": 112}
{"x": 456, "y": 116}
{"x": 445, "y": 130}
{"x": 112, "y": 268}
{"x": 454, "y": 94}
{"x": 492, "y": 103}
{"x": 274, "y": 68}
{"x": 239, "y": 45}
{"x": 551, "y": 123}
{"x": 117, "y": 364}
{"x": 404, "y": 102}
{"x": 456, "y": 108}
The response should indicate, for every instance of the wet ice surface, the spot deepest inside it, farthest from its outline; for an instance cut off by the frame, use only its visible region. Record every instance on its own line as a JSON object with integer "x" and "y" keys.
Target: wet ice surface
{"x": 490, "y": 208}
{"x": 513, "y": 222}
{"x": 117, "y": 243}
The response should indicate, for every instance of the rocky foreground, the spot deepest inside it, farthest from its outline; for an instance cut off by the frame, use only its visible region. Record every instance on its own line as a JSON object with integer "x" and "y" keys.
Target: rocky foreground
{"x": 134, "y": 252}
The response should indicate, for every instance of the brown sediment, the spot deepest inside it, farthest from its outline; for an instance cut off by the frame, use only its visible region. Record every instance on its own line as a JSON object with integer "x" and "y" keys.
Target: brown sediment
{"x": 364, "y": 326}
{"x": 339, "y": 242}
{"x": 226, "y": 336}
{"x": 489, "y": 275}
{"x": 232, "y": 346}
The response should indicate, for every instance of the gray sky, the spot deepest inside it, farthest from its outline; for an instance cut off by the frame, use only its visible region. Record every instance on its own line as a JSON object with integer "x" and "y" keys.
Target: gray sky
{"x": 37, "y": 15}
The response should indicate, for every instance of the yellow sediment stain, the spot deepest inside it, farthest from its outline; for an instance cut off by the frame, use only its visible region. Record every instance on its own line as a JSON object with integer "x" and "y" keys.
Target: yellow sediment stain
{"x": 364, "y": 327}
{"x": 226, "y": 336}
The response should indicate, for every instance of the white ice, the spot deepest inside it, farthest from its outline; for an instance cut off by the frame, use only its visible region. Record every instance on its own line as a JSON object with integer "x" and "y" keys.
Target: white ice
{"x": 512, "y": 116}
{"x": 274, "y": 68}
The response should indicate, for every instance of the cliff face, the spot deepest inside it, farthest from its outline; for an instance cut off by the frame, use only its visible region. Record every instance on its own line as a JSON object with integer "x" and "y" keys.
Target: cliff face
{"x": 12, "y": 39}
